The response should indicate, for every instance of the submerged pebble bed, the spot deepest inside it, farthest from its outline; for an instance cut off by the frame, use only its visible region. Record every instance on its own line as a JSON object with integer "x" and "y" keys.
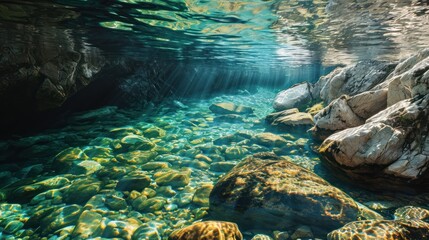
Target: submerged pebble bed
{"x": 137, "y": 173}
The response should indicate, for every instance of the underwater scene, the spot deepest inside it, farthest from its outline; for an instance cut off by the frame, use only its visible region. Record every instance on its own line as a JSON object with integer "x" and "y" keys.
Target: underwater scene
{"x": 214, "y": 120}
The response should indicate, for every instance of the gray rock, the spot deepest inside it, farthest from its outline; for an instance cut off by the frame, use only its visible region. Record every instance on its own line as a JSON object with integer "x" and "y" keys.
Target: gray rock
{"x": 353, "y": 80}
{"x": 296, "y": 96}
{"x": 391, "y": 145}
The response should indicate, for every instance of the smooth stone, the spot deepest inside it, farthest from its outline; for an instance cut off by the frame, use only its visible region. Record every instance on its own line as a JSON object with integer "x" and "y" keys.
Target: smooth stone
{"x": 154, "y": 132}
{"x": 201, "y": 195}
{"x": 121, "y": 229}
{"x": 269, "y": 140}
{"x": 230, "y": 108}
{"x": 136, "y": 180}
{"x": 146, "y": 233}
{"x": 261, "y": 237}
{"x": 136, "y": 157}
{"x": 81, "y": 190}
{"x": 278, "y": 235}
{"x": 208, "y": 230}
{"x": 136, "y": 142}
{"x": 384, "y": 229}
{"x": 63, "y": 160}
{"x": 222, "y": 166}
{"x": 88, "y": 225}
{"x": 86, "y": 167}
{"x": 290, "y": 122}
{"x": 166, "y": 191}
{"x": 184, "y": 199}
{"x": 204, "y": 158}
{"x": 97, "y": 153}
{"x": 149, "y": 192}
{"x": 296, "y": 96}
{"x": 62, "y": 217}
{"x": 302, "y": 232}
{"x": 235, "y": 152}
{"x": 155, "y": 165}
{"x": 172, "y": 178}
{"x": 151, "y": 204}
{"x": 116, "y": 203}
{"x": 27, "y": 192}
{"x": 112, "y": 172}
{"x": 13, "y": 226}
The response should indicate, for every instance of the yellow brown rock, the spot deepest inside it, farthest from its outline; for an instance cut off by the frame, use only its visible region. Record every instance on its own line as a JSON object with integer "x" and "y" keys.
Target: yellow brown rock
{"x": 208, "y": 230}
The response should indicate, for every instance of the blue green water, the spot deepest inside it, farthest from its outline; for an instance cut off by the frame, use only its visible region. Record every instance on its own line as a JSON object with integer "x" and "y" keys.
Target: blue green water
{"x": 48, "y": 179}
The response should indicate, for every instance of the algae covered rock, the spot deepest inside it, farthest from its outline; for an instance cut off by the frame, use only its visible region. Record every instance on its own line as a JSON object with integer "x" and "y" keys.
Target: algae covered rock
{"x": 230, "y": 108}
{"x": 384, "y": 229}
{"x": 267, "y": 191}
{"x": 136, "y": 180}
{"x": 172, "y": 178}
{"x": 208, "y": 230}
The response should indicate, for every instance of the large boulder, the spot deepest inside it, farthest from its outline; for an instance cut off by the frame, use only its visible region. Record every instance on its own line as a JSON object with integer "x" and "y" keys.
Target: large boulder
{"x": 382, "y": 229}
{"x": 295, "y": 96}
{"x": 352, "y": 80}
{"x": 266, "y": 191}
{"x": 391, "y": 145}
{"x": 208, "y": 230}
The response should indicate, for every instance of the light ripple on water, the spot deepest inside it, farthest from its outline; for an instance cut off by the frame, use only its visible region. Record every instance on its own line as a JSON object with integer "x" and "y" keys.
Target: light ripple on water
{"x": 189, "y": 131}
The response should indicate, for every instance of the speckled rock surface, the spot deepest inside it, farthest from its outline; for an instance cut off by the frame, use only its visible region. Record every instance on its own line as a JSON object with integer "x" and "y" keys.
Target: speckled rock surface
{"x": 274, "y": 193}
{"x": 208, "y": 230}
{"x": 385, "y": 229}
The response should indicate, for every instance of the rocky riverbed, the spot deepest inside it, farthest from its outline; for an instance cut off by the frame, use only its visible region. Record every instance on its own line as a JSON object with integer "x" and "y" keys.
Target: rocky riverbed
{"x": 227, "y": 167}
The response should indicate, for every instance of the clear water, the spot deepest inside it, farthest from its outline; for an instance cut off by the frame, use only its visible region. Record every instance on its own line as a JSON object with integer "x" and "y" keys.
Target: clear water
{"x": 188, "y": 146}
{"x": 204, "y": 46}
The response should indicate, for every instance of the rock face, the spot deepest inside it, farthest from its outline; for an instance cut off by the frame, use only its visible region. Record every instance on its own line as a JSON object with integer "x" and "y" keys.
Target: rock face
{"x": 385, "y": 229}
{"x": 353, "y": 80}
{"x": 295, "y": 96}
{"x": 392, "y": 144}
{"x": 273, "y": 193}
{"x": 208, "y": 230}
{"x": 374, "y": 143}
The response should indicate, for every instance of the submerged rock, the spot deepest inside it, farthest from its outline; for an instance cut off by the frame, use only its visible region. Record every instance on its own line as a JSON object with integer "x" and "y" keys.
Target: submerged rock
{"x": 290, "y": 119}
{"x": 392, "y": 145}
{"x": 208, "y": 230}
{"x": 172, "y": 178}
{"x": 411, "y": 212}
{"x": 296, "y": 96}
{"x": 385, "y": 229}
{"x": 352, "y": 80}
{"x": 230, "y": 108}
{"x": 136, "y": 180}
{"x": 265, "y": 191}
{"x": 88, "y": 225}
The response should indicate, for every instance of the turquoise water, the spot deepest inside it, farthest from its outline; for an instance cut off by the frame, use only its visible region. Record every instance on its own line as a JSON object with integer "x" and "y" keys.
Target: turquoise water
{"x": 177, "y": 149}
